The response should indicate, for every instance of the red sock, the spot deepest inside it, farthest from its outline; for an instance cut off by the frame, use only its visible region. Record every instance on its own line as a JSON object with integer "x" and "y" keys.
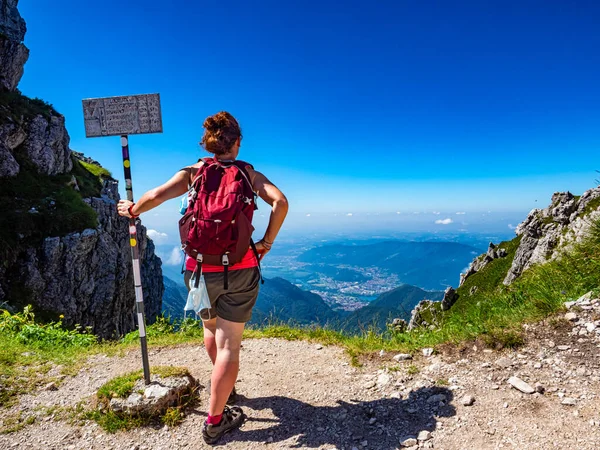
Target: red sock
{"x": 214, "y": 420}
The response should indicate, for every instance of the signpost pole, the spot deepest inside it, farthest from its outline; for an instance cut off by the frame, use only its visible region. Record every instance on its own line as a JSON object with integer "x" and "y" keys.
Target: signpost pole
{"x": 123, "y": 116}
{"x": 135, "y": 256}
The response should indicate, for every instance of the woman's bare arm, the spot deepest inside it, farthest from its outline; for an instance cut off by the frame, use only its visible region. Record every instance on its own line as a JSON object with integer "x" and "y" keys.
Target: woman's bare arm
{"x": 275, "y": 198}
{"x": 176, "y": 186}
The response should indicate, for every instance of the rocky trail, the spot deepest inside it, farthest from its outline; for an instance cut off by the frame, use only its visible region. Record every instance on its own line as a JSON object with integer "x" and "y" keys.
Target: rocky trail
{"x": 303, "y": 395}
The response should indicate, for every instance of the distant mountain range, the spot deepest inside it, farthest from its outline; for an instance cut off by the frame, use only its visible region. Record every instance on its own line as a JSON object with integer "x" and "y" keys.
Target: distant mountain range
{"x": 397, "y": 303}
{"x": 429, "y": 265}
{"x": 174, "y": 298}
{"x": 281, "y": 301}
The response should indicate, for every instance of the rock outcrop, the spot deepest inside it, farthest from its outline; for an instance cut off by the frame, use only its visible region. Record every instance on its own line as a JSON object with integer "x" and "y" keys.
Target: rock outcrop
{"x": 567, "y": 220}
{"x": 85, "y": 274}
{"x": 41, "y": 139}
{"x": 425, "y": 314}
{"x": 450, "y": 297}
{"x": 13, "y": 54}
{"x": 481, "y": 261}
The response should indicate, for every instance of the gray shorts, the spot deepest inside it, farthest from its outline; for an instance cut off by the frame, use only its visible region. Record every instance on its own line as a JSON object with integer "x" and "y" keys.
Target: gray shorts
{"x": 236, "y": 303}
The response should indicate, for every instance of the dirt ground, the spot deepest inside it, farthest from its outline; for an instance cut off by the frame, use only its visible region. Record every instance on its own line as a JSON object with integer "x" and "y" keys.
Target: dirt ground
{"x": 302, "y": 395}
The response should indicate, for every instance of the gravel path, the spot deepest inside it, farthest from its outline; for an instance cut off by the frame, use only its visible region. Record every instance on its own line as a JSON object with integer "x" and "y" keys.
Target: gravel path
{"x": 302, "y": 395}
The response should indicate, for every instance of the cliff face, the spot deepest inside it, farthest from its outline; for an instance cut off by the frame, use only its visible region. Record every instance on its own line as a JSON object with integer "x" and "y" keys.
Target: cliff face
{"x": 63, "y": 248}
{"x": 13, "y": 54}
{"x": 87, "y": 276}
{"x": 566, "y": 220}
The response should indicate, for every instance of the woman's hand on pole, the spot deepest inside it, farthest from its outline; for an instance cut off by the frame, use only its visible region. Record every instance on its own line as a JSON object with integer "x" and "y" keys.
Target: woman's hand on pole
{"x": 123, "y": 208}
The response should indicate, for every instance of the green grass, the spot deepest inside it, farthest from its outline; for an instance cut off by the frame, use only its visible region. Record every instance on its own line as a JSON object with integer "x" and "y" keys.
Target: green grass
{"x": 123, "y": 385}
{"x": 15, "y": 422}
{"x": 29, "y": 349}
{"x": 412, "y": 370}
{"x": 89, "y": 178}
{"x": 96, "y": 170}
{"x": 14, "y": 107}
{"x": 37, "y": 206}
{"x": 593, "y": 205}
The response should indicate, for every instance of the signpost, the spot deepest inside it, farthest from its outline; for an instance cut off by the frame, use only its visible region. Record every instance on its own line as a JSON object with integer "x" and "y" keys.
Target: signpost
{"x": 122, "y": 116}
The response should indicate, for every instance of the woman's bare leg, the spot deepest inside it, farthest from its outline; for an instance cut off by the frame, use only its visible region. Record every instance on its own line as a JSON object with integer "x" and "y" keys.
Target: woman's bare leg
{"x": 210, "y": 328}
{"x": 228, "y": 339}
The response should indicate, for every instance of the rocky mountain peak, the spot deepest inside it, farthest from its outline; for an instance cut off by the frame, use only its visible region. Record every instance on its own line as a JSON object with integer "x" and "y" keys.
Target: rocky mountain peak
{"x": 12, "y": 24}
{"x": 13, "y": 54}
{"x": 566, "y": 220}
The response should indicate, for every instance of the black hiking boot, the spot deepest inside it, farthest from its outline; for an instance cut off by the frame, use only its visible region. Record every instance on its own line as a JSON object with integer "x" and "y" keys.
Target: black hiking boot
{"x": 231, "y": 400}
{"x": 232, "y": 418}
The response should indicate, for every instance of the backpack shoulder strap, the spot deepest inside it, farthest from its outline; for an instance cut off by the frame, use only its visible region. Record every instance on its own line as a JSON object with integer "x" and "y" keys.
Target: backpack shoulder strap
{"x": 241, "y": 166}
{"x": 205, "y": 162}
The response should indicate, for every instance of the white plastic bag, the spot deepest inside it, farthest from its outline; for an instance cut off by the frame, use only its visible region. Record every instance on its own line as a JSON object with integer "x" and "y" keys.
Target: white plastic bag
{"x": 197, "y": 299}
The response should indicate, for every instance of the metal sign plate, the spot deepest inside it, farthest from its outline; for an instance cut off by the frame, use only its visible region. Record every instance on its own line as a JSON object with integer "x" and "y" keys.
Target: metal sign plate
{"x": 116, "y": 116}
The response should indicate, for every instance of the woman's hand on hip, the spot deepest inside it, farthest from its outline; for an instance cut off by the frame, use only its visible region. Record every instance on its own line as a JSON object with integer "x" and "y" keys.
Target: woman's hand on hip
{"x": 123, "y": 208}
{"x": 262, "y": 249}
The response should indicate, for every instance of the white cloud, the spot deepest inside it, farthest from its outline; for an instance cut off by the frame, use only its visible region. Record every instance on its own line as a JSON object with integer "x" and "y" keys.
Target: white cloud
{"x": 444, "y": 221}
{"x": 349, "y": 214}
{"x": 460, "y": 213}
{"x": 398, "y": 212}
{"x": 308, "y": 215}
{"x": 511, "y": 226}
{"x": 175, "y": 257}
{"x": 157, "y": 236}
{"x": 437, "y": 213}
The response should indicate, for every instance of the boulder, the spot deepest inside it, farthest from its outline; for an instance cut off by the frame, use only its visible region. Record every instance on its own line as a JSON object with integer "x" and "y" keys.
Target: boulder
{"x": 47, "y": 145}
{"x": 155, "y": 398}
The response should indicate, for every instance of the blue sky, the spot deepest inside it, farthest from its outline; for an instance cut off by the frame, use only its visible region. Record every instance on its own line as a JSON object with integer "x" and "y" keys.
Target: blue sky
{"x": 349, "y": 107}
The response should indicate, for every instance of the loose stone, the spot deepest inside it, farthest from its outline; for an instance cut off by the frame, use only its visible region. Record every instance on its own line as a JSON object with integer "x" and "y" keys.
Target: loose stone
{"x": 409, "y": 442}
{"x": 520, "y": 385}
{"x": 468, "y": 400}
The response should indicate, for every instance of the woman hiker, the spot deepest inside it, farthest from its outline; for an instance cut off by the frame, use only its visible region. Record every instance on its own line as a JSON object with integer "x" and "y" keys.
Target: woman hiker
{"x": 232, "y": 289}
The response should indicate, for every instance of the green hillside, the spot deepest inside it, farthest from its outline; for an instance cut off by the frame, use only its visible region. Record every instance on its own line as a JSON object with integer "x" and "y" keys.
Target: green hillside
{"x": 397, "y": 303}
{"x": 281, "y": 301}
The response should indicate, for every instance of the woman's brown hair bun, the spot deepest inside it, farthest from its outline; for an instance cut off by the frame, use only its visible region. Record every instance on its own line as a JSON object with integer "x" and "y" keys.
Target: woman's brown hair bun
{"x": 221, "y": 131}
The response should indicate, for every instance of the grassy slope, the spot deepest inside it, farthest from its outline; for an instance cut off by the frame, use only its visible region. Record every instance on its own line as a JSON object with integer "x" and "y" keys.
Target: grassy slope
{"x": 58, "y": 209}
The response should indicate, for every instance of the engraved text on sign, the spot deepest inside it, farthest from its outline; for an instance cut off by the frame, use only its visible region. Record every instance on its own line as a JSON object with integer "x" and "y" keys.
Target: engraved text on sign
{"x": 115, "y": 116}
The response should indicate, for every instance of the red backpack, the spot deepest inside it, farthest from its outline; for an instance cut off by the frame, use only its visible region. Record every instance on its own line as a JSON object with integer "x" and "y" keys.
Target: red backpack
{"x": 217, "y": 226}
